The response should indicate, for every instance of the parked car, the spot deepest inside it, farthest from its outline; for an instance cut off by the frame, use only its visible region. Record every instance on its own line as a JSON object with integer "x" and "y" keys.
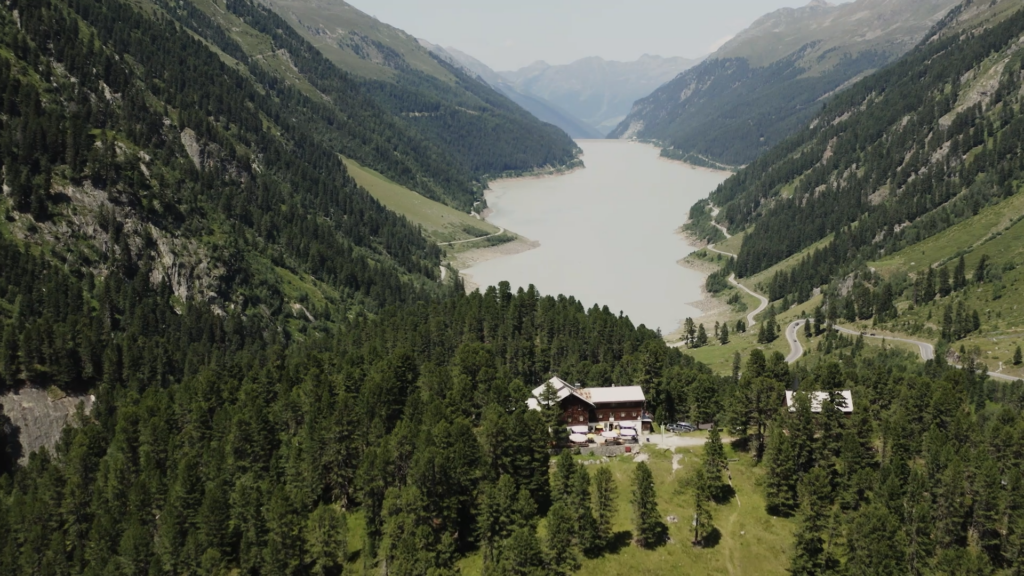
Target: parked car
{"x": 680, "y": 427}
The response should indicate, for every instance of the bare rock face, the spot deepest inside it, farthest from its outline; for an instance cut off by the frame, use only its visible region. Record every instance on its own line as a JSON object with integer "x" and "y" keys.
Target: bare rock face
{"x": 38, "y": 419}
{"x": 191, "y": 143}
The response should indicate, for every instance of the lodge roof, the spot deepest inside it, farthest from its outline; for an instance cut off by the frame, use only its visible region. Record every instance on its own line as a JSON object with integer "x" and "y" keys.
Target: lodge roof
{"x": 592, "y": 396}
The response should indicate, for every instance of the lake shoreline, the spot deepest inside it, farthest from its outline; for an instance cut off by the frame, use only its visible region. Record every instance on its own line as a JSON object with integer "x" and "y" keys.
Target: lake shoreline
{"x": 694, "y": 166}
{"x": 601, "y": 217}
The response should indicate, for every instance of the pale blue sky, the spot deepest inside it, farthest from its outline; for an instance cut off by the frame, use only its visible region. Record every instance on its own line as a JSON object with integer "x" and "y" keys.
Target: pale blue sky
{"x": 509, "y": 34}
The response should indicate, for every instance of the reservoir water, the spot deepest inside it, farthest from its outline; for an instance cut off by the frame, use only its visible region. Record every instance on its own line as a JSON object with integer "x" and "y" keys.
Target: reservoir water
{"x": 607, "y": 233}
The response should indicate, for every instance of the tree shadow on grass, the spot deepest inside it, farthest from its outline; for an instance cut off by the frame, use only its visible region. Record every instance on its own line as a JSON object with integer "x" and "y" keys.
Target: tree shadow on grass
{"x": 617, "y": 543}
{"x": 712, "y": 539}
{"x": 724, "y": 494}
{"x": 742, "y": 444}
{"x": 659, "y": 538}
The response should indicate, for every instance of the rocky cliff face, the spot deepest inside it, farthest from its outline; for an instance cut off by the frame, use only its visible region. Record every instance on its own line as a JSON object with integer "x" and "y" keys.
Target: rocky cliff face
{"x": 38, "y": 419}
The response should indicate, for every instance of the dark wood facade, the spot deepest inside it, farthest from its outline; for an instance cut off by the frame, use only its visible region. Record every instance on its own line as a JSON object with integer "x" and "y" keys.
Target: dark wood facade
{"x": 578, "y": 412}
{"x": 575, "y": 411}
{"x": 619, "y": 412}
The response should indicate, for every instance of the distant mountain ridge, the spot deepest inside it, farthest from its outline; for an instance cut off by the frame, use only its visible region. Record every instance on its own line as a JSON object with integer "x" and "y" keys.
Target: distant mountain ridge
{"x": 598, "y": 91}
{"x": 485, "y": 134}
{"x": 539, "y": 107}
{"x": 770, "y": 79}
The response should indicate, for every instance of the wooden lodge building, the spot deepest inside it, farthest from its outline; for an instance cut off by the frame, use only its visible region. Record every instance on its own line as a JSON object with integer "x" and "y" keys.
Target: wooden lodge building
{"x": 597, "y": 408}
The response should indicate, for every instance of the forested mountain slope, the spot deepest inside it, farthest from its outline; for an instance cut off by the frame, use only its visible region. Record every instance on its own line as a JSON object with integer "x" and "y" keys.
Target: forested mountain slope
{"x": 482, "y": 132}
{"x": 771, "y": 79}
{"x": 928, "y": 148}
{"x": 143, "y": 168}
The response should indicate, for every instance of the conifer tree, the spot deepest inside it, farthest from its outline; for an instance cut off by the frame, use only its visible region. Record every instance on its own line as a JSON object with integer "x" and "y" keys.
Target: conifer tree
{"x": 702, "y": 337}
{"x": 703, "y": 523}
{"x": 945, "y": 288}
{"x": 714, "y": 462}
{"x": 960, "y": 275}
{"x": 781, "y": 472}
{"x": 928, "y": 294}
{"x": 723, "y": 334}
{"x": 981, "y": 271}
{"x": 605, "y": 504}
{"x": 551, "y": 409}
{"x": 583, "y": 515}
{"x": 521, "y": 554}
{"x": 1018, "y": 358}
{"x": 807, "y": 329}
{"x": 647, "y": 526}
{"x": 811, "y": 556}
{"x": 326, "y": 541}
{"x": 562, "y": 552}
{"x": 562, "y": 482}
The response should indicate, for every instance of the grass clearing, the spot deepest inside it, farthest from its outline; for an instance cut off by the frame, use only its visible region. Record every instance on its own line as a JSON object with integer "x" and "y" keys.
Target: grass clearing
{"x": 732, "y": 245}
{"x": 441, "y": 223}
{"x": 749, "y": 540}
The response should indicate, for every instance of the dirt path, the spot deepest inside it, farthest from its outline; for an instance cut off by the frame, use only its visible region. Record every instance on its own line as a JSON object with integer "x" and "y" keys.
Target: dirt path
{"x": 500, "y": 231}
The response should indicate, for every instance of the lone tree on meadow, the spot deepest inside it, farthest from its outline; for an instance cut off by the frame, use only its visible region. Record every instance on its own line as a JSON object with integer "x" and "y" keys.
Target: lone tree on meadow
{"x": 723, "y": 334}
{"x": 702, "y": 521}
{"x": 714, "y": 463}
{"x": 1018, "y": 359}
{"x": 646, "y": 519}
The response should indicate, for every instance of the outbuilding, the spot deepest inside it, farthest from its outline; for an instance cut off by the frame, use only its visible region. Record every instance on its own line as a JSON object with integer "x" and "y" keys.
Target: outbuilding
{"x": 818, "y": 398}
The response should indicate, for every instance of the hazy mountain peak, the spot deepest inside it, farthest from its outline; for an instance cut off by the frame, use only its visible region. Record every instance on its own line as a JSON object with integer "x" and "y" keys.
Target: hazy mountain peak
{"x": 768, "y": 80}
{"x": 887, "y": 25}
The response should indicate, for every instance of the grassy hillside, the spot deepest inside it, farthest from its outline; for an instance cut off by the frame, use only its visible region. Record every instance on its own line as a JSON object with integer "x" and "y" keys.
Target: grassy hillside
{"x": 441, "y": 223}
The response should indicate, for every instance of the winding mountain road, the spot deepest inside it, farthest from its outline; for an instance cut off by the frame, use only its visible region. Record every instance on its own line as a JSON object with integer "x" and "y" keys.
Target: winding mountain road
{"x": 764, "y": 301}
{"x": 796, "y": 349}
{"x": 732, "y": 279}
{"x": 926, "y": 350}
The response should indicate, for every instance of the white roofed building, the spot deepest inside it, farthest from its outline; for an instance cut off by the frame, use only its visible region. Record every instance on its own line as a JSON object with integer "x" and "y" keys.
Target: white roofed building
{"x": 605, "y": 407}
{"x": 817, "y": 398}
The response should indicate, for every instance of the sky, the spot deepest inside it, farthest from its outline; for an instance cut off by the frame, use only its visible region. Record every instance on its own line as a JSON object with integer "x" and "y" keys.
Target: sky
{"x": 510, "y": 34}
